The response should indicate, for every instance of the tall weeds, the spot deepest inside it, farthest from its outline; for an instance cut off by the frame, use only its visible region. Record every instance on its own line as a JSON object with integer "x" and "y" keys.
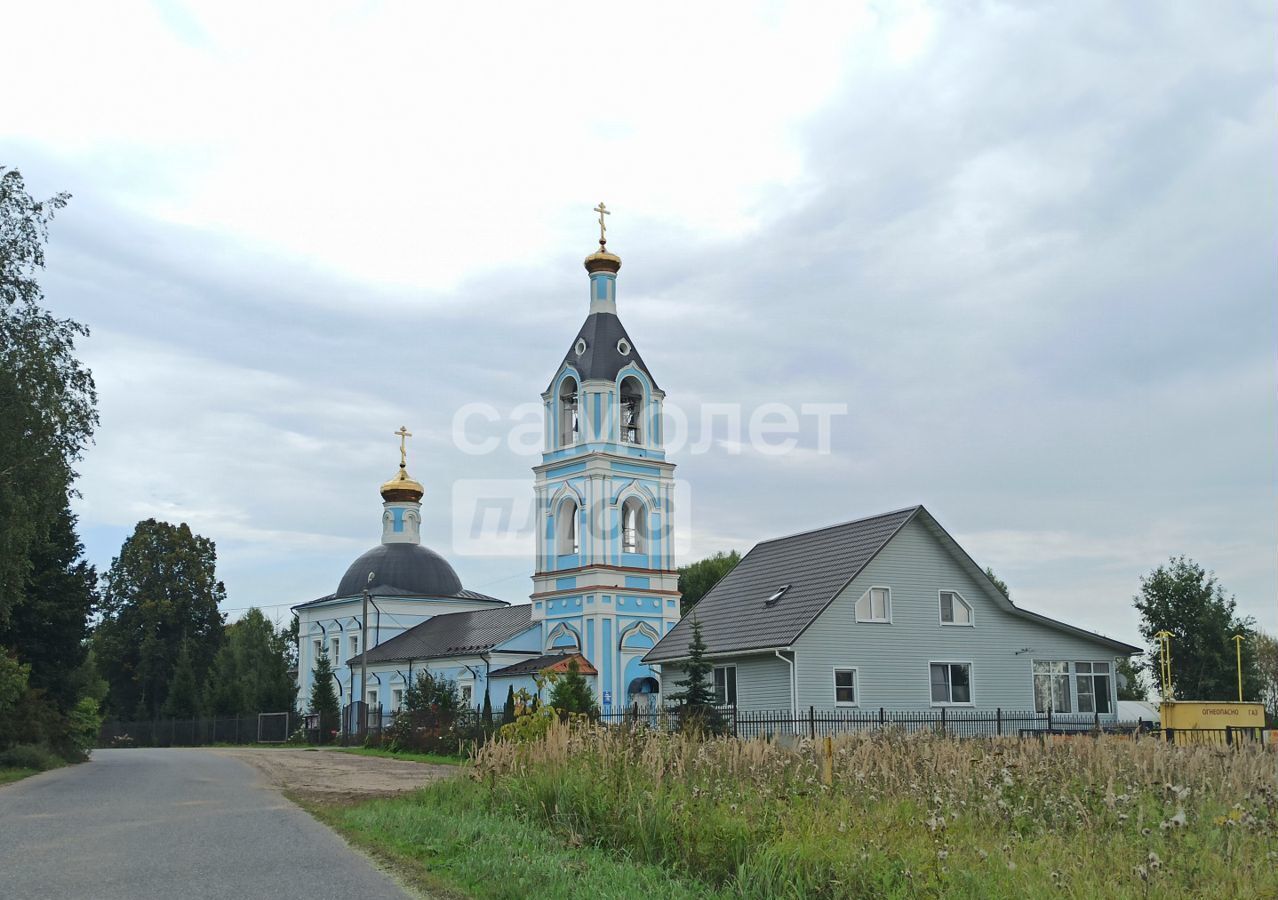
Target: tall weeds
{"x": 907, "y": 815}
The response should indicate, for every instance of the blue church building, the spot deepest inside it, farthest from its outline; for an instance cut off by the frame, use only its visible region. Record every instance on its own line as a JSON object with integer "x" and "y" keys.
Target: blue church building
{"x": 605, "y": 585}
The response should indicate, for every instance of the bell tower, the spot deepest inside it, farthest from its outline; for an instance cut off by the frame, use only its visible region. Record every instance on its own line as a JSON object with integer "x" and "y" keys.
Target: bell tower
{"x": 605, "y": 582}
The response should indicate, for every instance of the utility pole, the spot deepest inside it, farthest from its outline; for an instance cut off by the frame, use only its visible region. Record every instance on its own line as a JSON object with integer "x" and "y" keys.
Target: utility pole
{"x": 363, "y": 660}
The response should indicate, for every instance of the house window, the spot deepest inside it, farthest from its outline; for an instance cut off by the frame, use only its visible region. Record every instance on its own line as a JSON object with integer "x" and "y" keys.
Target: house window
{"x": 875, "y": 605}
{"x": 467, "y": 691}
{"x": 372, "y": 699}
{"x": 1093, "y": 687}
{"x": 354, "y": 645}
{"x": 397, "y": 699}
{"x": 1051, "y": 686}
{"x": 337, "y": 651}
{"x": 725, "y": 685}
{"x": 319, "y": 648}
{"x": 954, "y": 609}
{"x": 951, "y": 683}
{"x": 845, "y": 687}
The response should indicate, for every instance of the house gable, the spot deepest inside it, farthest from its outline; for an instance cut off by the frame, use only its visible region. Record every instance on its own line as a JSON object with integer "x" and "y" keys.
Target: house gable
{"x": 892, "y": 659}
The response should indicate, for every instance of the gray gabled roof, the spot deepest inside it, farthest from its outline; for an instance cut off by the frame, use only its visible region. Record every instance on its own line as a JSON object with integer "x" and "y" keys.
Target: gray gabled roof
{"x": 454, "y": 634}
{"x": 602, "y": 360}
{"x": 817, "y": 566}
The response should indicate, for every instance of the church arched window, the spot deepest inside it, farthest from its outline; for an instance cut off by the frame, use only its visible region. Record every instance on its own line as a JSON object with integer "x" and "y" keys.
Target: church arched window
{"x": 631, "y": 394}
{"x": 568, "y": 413}
{"x": 566, "y": 528}
{"x": 634, "y": 527}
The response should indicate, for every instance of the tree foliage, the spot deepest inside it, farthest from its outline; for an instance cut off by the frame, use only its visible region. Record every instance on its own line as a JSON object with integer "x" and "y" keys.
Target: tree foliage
{"x": 1187, "y": 601}
{"x": 183, "y": 699}
{"x": 1130, "y": 684}
{"x": 432, "y": 693}
{"x": 1267, "y": 665}
{"x": 508, "y": 708}
{"x": 161, "y": 590}
{"x": 696, "y": 579}
{"x": 48, "y": 628}
{"x": 47, "y": 398}
{"x": 998, "y": 582}
{"x": 571, "y": 692}
{"x": 250, "y": 673}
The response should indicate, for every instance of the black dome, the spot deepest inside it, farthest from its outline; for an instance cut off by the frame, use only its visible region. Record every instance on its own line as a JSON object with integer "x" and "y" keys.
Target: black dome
{"x": 401, "y": 569}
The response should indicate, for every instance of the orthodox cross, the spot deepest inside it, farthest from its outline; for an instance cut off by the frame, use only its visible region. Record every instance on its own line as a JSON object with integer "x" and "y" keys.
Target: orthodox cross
{"x": 603, "y": 228}
{"x": 404, "y": 435}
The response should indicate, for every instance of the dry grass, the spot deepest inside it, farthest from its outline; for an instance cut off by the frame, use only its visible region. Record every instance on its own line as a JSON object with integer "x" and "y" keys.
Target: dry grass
{"x": 921, "y": 815}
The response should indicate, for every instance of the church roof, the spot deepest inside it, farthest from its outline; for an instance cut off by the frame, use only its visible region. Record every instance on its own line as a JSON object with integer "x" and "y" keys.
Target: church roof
{"x": 551, "y": 662}
{"x": 454, "y": 634}
{"x": 400, "y": 569}
{"x": 741, "y": 614}
{"x": 602, "y": 331}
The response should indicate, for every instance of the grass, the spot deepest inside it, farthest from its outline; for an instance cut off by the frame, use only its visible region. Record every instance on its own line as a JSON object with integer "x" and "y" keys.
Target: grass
{"x": 435, "y": 758}
{"x": 596, "y": 811}
{"x": 9, "y": 775}
{"x": 444, "y": 842}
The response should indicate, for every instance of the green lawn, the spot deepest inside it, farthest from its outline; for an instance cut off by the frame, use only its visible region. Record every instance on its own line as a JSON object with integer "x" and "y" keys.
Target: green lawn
{"x": 10, "y": 775}
{"x": 443, "y": 841}
{"x": 411, "y": 757}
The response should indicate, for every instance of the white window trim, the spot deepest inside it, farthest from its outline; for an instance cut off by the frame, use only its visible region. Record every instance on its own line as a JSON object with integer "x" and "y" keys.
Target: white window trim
{"x": 971, "y": 613}
{"x": 1111, "y": 674}
{"x": 713, "y": 687}
{"x": 856, "y": 685}
{"x": 1069, "y": 685}
{"x": 874, "y": 587}
{"x": 971, "y": 681}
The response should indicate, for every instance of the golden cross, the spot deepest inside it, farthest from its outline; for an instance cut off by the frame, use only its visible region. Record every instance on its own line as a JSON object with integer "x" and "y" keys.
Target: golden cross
{"x": 603, "y": 228}
{"x": 404, "y": 435}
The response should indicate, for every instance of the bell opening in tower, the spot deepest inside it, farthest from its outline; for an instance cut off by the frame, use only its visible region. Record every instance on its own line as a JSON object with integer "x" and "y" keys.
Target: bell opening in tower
{"x": 631, "y": 411}
{"x": 568, "y": 422}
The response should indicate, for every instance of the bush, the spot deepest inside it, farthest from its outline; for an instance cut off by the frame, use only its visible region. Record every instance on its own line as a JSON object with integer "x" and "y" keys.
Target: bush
{"x": 83, "y": 724}
{"x": 30, "y": 756}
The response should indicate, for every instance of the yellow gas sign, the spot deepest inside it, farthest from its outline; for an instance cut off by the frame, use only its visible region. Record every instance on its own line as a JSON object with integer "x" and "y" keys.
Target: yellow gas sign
{"x": 1211, "y": 715}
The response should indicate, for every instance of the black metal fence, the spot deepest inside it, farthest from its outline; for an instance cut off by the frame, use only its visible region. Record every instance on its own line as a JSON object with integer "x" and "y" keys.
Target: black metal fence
{"x": 813, "y": 722}
{"x": 248, "y": 729}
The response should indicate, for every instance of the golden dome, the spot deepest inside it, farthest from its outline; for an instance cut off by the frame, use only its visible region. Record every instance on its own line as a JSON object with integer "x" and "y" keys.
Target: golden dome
{"x": 603, "y": 261}
{"x": 402, "y": 487}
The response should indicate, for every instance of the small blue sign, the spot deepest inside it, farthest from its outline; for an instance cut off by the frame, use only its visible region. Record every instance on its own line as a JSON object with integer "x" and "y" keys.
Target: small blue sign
{"x": 607, "y": 698}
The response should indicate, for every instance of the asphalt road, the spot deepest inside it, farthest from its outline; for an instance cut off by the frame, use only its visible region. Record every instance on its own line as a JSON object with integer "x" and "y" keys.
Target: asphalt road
{"x": 170, "y": 824}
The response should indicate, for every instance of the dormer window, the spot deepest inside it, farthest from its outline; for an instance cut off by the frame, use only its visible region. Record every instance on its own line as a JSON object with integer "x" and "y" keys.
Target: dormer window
{"x": 776, "y": 596}
{"x": 631, "y": 411}
{"x": 623, "y": 347}
{"x": 568, "y": 421}
{"x": 580, "y": 347}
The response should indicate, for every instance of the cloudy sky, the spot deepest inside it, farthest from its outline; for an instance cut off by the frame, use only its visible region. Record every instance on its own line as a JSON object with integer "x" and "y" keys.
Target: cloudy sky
{"x": 1030, "y": 247}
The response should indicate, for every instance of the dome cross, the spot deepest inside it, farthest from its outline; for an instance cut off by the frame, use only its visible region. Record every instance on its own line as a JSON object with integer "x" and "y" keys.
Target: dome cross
{"x": 404, "y": 434}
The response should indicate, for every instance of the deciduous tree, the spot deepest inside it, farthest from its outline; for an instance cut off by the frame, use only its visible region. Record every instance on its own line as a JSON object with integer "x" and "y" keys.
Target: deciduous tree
{"x": 696, "y": 579}
{"x": 47, "y": 398}
{"x": 161, "y": 589}
{"x": 1185, "y": 600}
{"x": 572, "y": 693}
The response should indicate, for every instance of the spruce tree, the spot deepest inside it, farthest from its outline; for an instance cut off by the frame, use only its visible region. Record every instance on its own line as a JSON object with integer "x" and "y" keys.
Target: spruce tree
{"x": 697, "y": 690}
{"x": 324, "y": 697}
{"x": 508, "y": 708}
{"x": 572, "y": 693}
{"x": 183, "y": 701}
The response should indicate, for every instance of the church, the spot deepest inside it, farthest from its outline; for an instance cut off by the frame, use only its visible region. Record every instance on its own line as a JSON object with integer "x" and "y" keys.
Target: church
{"x": 605, "y": 587}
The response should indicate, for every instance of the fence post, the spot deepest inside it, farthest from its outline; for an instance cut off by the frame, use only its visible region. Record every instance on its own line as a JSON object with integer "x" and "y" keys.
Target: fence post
{"x": 1049, "y": 718}
{"x": 998, "y": 721}
{"x": 882, "y": 718}
{"x": 812, "y": 722}
{"x": 1096, "y": 721}
{"x": 943, "y": 731}
{"x": 1170, "y": 735}
{"x": 1229, "y": 735}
